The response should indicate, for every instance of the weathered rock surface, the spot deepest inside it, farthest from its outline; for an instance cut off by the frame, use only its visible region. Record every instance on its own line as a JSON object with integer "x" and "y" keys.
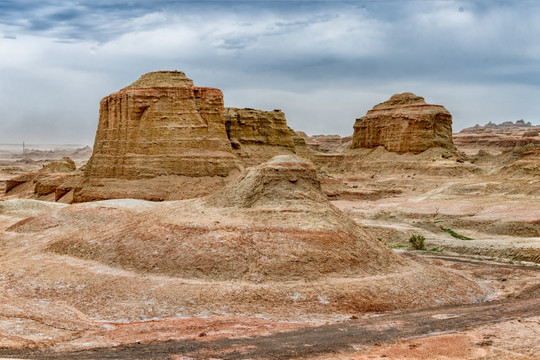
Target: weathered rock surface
{"x": 257, "y": 135}
{"x": 527, "y": 165}
{"x": 43, "y": 184}
{"x": 404, "y": 124}
{"x": 159, "y": 126}
{"x": 327, "y": 144}
{"x": 332, "y": 143}
{"x": 494, "y": 139}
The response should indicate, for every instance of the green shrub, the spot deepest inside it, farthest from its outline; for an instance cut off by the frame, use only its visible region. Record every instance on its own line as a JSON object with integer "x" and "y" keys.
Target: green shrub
{"x": 455, "y": 234}
{"x": 417, "y": 242}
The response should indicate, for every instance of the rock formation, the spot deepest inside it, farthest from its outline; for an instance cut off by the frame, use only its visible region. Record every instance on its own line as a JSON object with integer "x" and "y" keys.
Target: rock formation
{"x": 308, "y": 140}
{"x": 494, "y": 139}
{"x": 159, "y": 126}
{"x": 404, "y": 124}
{"x": 51, "y": 183}
{"x": 327, "y": 144}
{"x": 162, "y": 138}
{"x": 257, "y": 135}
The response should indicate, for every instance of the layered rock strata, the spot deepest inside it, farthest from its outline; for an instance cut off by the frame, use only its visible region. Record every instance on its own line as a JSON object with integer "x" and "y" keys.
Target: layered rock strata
{"x": 404, "y": 124}
{"x": 159, "y": 126}
{"x": 258, "y": 135}
{"x": 51, "y": 183}
{"x": 494, "y": 139}
{"x": 327, "y": 144}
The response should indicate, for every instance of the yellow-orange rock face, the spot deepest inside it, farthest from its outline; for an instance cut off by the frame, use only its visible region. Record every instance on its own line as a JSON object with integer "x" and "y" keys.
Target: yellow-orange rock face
{"x": 404, "y": 124}
{"x": 159, "y": 126}
{"x": 257, "y": 135}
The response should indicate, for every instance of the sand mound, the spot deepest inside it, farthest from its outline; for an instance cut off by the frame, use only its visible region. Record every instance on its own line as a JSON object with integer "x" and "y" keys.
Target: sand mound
{"x": 26, "y": 207}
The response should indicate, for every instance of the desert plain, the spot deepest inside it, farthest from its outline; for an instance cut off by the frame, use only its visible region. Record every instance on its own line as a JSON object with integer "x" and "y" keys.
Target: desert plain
{"x": 195, "y": 231}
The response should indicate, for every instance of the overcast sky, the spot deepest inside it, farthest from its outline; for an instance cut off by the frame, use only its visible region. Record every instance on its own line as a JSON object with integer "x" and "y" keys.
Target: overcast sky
{"x": 324, "y": 63}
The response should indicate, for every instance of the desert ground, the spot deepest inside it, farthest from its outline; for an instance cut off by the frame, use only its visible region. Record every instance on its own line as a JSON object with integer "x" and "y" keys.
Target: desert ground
{"x": 495, "y": 211}
{"x": 253, "y": 241}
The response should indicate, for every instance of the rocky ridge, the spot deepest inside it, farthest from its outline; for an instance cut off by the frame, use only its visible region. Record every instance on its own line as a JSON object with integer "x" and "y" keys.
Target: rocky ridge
{"x": 494, "y": 139}
{"x": 326, "y": 143}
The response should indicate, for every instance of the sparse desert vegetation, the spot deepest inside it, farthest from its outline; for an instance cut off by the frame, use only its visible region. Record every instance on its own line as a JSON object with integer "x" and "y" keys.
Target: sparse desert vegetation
{"x": 417, "y": 242}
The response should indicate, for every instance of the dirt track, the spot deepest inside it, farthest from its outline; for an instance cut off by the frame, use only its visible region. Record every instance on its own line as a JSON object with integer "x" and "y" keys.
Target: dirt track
{"x": 327, "y": 339}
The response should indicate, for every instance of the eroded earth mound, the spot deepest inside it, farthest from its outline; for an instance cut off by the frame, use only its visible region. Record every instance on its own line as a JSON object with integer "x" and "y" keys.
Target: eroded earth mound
{"x": 404, "y": 124}
{"x": 268, "y": 245}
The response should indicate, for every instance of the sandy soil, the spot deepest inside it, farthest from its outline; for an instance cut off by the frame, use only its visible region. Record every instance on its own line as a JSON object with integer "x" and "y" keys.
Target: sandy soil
{"x": 492, "y": 224}
{"x": 503, "y": 329}
{"x": 499, "y": 214}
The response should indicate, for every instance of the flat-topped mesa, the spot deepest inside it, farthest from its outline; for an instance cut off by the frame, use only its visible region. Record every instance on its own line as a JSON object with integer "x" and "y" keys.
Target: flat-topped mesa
{"x": 161, "y": 125}
{"x": 404, "y": 124}
{"x": 258, "y": 135}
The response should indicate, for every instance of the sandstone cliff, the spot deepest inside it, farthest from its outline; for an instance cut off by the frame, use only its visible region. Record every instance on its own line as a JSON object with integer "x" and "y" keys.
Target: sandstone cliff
{"x": 257, "y": 135}
{"x": 159, "y": 126}
{"x": 404, "y": 124}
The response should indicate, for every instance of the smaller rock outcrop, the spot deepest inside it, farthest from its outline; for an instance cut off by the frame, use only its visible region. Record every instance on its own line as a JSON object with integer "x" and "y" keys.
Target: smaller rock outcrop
{"x": 45, "y": 183}
{"x": 300, "y": 143}
{"x": 65, "y": 165}
{"x": 327, "y": 144}
{"x": 404, "y": 124}
{"x": 258, "y": 135}
{"x": 283, "y": 179}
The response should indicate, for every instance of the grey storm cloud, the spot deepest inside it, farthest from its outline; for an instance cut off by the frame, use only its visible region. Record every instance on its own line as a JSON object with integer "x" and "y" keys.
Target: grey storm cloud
{"x": 324, "y": 63}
